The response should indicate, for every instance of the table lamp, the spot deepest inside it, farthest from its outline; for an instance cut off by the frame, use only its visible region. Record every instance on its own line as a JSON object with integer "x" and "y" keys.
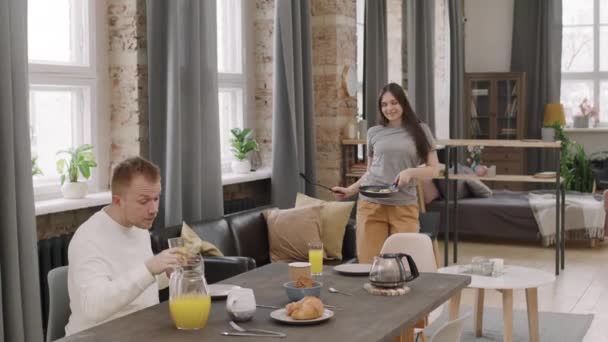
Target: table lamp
{"x": 554, "y": 112}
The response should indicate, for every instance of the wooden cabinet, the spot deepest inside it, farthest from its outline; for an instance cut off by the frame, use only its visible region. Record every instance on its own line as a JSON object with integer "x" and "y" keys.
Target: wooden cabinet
{"x": 495, "y": 109}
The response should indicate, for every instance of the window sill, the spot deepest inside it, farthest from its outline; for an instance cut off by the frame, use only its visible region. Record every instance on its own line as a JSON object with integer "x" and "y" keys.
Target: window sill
{"x": 587, "y": 130}
{"x": 63, "y": 204}
{"x": 236, "y": 178}
{"x": 103, "y": 198}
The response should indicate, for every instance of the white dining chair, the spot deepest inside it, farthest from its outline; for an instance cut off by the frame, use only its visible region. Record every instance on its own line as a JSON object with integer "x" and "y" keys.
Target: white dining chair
{"x": 420, "y": 248}
{"x": 451, "y": 331}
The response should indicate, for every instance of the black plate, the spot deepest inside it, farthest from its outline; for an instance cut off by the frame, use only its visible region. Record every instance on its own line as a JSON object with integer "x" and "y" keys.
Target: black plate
{"x": 373, "y": 191}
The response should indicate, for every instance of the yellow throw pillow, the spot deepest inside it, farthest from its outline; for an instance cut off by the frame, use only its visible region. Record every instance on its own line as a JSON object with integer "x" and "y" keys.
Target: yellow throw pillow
{"x": 334, "y": 217}
{"x": 194, "y": 243}
{"x": 290, "y": 231}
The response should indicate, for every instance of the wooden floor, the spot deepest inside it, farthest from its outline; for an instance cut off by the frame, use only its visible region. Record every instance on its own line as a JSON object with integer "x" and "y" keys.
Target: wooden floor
{"x": 581, "y": 288}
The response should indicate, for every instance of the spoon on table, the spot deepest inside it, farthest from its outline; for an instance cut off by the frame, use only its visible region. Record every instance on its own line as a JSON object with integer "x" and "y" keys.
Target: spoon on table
{"x": 258, "y": 331}
{"x": 333, "y": 290}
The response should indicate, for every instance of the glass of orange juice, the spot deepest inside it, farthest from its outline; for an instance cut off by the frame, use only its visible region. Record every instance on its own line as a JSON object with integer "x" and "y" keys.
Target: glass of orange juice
{"x": 315, "y": 257}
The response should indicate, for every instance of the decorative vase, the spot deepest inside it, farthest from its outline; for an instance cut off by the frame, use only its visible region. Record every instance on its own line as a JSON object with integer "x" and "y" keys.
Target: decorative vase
{"x": 548, "y": 134}
{"x": 241, "y": 166}
{"x": 481, "y": 170}
{"x": 580, "y": 121}
{"x": 363, "y": 129}
{"x": 351, "y": 130}
{"x": 74, "y": 190}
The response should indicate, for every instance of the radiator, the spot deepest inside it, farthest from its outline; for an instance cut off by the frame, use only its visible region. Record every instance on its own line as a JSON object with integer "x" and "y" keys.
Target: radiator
{"x": 239, "y": 204}
{"x": 52, "y": 253}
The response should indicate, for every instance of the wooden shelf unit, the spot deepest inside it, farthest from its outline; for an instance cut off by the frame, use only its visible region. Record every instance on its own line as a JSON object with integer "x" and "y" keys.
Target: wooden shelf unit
{"x": 495, "y": 105}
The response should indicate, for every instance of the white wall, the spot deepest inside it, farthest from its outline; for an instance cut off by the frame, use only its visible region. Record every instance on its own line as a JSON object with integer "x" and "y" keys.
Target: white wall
{"x": 488, "y": 33}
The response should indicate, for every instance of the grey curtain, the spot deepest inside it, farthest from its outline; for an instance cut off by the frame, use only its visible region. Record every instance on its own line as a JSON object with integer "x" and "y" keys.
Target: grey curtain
{"x": 421, "y": 61}
{"x": 183, "y": 108}
{"x": 293, "y": 136}
{"x": 537, "y": 50}
{"x": 455, "y": 12}
{"x": 21, "y": 307}
{"x": 375, "y": 58}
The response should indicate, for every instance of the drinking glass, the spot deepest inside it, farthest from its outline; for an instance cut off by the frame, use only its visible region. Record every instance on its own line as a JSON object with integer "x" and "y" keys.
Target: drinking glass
{"x": 315, "y": 257}
{"x": 176, "y": 242}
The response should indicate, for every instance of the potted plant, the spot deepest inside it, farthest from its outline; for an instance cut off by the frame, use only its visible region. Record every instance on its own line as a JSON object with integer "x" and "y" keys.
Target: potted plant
{"x": 242, "y": 143}
{"x": 77, "y": 161}
{"x": 36, "y": 170}
{"x": 588, "y": 113}
{"x": 548, "y": 131}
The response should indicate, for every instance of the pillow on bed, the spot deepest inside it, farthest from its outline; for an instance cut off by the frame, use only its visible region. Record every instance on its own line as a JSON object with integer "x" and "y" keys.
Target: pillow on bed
{"x": 465, "y": 188}
{"x": 476, "y": 187}
{"x": 461, "y": 189}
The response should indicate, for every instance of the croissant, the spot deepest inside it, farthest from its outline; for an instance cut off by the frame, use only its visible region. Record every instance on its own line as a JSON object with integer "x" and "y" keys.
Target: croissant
{"x": 307, "y": 308}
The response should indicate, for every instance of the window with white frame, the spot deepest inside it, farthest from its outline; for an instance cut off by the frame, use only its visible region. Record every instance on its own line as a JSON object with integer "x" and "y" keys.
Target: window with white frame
{"x": 585, "y": 56}
{"x": 231, "y": 73}
{"x": 63, "y": 83}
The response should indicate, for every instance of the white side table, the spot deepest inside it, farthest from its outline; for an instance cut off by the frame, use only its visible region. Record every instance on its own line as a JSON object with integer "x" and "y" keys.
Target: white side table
{"x": 514, "y": 277}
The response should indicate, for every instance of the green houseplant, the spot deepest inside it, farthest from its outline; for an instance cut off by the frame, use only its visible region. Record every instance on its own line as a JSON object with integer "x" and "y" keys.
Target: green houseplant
{"x": 575, "y": 168}
{"x": 242, "y": 144}
{"x": 36, "y": 170}
{"x": 76, "y": 161}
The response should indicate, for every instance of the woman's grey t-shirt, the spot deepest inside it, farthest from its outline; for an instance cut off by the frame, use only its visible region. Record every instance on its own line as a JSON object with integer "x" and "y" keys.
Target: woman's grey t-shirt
{"x": 392, "y": 150}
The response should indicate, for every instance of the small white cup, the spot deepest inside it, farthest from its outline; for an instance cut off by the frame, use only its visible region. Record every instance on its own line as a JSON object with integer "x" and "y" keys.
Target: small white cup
{"x": 240, "y": 304}
{"x": 499, "y": 264}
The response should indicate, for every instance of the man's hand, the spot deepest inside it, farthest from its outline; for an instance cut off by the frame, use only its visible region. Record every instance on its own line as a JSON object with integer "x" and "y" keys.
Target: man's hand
{"x": 165, "y": 260}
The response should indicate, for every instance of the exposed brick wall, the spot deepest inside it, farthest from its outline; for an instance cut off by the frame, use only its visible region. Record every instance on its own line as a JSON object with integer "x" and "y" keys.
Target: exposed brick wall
{"x": 334, "y": 48}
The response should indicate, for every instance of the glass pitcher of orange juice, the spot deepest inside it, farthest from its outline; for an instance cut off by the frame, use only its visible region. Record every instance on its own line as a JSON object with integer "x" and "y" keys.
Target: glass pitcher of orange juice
{"x": 189, "y": 300}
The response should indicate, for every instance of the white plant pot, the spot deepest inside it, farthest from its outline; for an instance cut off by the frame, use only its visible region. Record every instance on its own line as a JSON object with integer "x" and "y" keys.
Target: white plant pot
{"x": 548, "y": 134}
{"x": 74, "y": 190}
{"x": 241, "y": 166}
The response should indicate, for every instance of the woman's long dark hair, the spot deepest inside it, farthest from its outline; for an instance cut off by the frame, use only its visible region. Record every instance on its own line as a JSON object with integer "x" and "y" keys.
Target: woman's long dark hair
{"x": 409, "y": 121}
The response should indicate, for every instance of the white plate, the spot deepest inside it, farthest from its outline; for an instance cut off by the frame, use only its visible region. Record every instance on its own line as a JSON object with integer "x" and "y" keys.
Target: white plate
{"x": 281, "y": 316}
{"x": 354, "y": 269}
{"x": 220, "y": 290}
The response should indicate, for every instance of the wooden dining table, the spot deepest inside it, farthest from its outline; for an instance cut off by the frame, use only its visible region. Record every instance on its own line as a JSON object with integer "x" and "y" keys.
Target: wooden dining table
{"x": 359, "y": 317}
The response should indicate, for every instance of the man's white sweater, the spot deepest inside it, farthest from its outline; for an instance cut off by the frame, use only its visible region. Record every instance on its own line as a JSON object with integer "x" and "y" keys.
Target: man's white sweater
{"x": 107, "y": 275}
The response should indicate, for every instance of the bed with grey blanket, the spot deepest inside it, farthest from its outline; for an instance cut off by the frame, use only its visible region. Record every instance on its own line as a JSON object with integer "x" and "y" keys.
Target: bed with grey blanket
{"x": 506, "y": 215}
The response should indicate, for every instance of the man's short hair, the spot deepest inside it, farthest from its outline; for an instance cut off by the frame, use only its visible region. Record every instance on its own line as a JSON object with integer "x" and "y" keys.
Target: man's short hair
{"x": 126, "y": 170}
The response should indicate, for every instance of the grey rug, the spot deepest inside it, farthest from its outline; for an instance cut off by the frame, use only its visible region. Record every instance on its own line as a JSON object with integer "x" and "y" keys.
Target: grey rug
{"x": 553, "y": 326}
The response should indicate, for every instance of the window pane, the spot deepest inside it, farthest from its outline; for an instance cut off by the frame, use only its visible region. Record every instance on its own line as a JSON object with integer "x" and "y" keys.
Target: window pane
{"x": 604, "y": 48}
{"x": 229, "y": 42}
{"x": 577, "y": 12}
{"x": 58, "y": 31}
{"x": 603, "y": 12}
{"x": 56, "y": 114}
{"x": 577, "y": 49}
{"x": 604, "y": 101}
{"x": 572, "y": 94}
{"x": 231, "y": 116}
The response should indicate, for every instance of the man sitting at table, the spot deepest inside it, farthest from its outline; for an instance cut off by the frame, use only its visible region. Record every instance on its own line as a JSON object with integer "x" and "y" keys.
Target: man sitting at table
{"x": 112, "y": 271}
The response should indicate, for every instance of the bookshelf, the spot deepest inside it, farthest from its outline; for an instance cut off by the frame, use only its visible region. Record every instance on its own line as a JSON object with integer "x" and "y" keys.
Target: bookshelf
{"x": 495, "y": 110}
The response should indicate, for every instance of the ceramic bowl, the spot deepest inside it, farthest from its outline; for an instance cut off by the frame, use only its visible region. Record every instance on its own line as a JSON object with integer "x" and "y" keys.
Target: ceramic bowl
{"x": 295, "y": 294}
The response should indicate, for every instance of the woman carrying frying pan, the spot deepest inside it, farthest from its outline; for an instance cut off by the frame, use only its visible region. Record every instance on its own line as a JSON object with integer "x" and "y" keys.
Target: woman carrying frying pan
{"x": 401, "y": 150}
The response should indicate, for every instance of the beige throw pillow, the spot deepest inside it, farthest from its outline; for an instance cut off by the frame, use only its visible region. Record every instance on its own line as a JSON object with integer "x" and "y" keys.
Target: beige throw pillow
{"x": 194, "y": 243}
{"x": 290, "y": 231}
{"x": 334, "y": 217}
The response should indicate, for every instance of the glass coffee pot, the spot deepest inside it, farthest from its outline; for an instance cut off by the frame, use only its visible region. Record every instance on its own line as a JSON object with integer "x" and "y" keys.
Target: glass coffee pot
{"x": 189, "y": 299}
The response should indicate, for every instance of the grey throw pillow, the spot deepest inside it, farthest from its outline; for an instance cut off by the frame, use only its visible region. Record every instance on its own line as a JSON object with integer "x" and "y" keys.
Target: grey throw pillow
{"x": 476, "y": 187}
{"x": 461, "y": 188}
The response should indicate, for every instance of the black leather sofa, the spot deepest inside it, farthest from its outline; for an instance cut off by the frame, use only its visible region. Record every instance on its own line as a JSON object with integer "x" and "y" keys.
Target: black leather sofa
{"x": 243, "y": 239}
